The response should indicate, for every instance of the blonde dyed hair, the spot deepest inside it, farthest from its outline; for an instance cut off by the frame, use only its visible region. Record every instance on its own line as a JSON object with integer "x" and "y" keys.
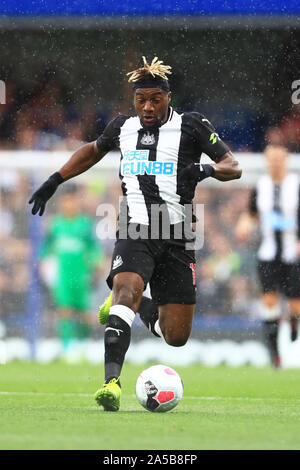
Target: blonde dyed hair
{"x": 156, "y": 69}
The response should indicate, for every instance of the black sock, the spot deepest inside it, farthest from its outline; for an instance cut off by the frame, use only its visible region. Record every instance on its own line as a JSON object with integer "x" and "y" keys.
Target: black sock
{"x": 148, "y": 311}
{"x": 271, "y": 334}
{"x": 294, "y": 327}
{"x": 116, "y": 340}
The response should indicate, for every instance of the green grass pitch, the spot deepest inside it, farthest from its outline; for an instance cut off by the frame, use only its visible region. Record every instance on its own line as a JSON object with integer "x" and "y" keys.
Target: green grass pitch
{"x": 52, "y": 407}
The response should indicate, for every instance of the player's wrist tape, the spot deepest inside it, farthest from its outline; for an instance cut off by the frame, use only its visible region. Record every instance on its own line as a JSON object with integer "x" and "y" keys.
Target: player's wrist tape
{"x": 56, "y": 178}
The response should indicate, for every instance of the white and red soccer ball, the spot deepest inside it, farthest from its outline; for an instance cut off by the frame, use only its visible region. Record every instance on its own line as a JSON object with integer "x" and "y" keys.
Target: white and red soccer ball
{"x": 159, "y": 388}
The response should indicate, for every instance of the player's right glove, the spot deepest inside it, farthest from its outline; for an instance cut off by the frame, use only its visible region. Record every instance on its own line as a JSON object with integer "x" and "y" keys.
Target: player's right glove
{"x": 43, "y": 194}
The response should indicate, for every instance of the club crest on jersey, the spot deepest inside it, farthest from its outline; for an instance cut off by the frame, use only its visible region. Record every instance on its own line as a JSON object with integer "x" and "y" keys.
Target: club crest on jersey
{"x": 148, "y": 139}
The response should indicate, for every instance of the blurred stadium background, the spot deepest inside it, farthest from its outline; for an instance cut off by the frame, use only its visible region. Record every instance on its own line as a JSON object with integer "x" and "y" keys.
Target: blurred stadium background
{"x": 63, "y": 66}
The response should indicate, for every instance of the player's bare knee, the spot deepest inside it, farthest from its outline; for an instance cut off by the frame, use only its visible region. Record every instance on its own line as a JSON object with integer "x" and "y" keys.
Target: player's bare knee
{"x": 176, "y": 339}
{"x": 125, "y": 294}
{"x": 176, "y": 342}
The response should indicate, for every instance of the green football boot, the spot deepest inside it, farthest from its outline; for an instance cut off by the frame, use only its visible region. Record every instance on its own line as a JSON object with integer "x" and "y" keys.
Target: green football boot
{"x": 109, "y": 396}
{"x": 104, "y": 310}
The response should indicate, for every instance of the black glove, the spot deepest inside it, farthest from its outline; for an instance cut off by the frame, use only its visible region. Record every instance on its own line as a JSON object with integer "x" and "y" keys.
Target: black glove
{"x": 43, "y": 194}
{"x": 190, "y": 176}
{"x": 196, "y": 172}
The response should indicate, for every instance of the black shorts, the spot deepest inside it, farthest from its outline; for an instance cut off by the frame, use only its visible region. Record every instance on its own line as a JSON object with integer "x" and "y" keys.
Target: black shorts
{"x": 165, "y": 264}
{"x": 276, "y": 276}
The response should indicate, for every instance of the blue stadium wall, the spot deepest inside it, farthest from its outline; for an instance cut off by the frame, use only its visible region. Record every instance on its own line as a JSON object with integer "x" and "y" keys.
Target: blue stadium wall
{"x": 150, "y": 7}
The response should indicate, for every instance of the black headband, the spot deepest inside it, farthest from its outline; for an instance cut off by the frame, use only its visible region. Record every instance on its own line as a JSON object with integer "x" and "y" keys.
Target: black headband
{"x": 152, "y": 82}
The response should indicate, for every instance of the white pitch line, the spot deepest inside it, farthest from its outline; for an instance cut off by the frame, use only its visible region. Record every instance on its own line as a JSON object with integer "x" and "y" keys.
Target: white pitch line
{"x": 188, "y": 397}
{"x": 53, "y": 394}
{"x": 47, "y": 394}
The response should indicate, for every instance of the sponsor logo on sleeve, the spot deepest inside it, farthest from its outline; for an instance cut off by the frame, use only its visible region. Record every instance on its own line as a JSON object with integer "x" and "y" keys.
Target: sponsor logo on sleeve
{"x": 213, "y": 137}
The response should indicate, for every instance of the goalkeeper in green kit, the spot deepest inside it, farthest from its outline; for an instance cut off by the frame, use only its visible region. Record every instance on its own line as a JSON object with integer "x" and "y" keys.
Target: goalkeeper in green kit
{"x": 70, "y": 241}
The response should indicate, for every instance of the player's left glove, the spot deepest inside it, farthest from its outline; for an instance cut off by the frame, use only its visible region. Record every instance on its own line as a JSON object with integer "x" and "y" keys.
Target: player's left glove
{"x": 196, "y": 172}
{"x": 43, "y": 194}
{"x": 190, "y": 176}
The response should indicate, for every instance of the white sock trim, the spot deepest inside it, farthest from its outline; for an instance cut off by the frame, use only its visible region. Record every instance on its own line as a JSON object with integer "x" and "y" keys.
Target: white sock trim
{"x": 123, "y": 312}
{"x": 157, "y": 329}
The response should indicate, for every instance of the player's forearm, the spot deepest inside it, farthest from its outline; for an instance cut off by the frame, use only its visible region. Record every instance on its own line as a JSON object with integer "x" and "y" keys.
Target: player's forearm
{"x": 228, "y": 168}
{"x": 81, "y": 160}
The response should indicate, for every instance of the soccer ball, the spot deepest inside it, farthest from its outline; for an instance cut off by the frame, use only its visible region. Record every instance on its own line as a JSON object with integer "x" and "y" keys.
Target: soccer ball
{"x": 159, "y": 388}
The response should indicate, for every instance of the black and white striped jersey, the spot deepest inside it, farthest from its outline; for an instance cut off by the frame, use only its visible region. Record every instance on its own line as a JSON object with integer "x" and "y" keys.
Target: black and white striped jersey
{"x": 278, "y": 208}
{"x": 151, "y": 160}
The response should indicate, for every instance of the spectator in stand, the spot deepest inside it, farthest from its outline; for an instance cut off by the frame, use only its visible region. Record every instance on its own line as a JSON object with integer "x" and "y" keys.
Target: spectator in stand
{"x": 290, "y": 128}
{"x": 208, "y": 291}
{"x": 74, "y": 137}
{"x": 8, "y": 114}
{"x": 14, "y": 248}
{"x": 274, "y": 136}
{"x": 244, "y": 296}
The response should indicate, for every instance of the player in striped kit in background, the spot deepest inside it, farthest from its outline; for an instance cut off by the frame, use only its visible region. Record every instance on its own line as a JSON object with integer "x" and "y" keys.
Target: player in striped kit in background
{"x": 159, "y": 168}
{"x": 275, "y": 206}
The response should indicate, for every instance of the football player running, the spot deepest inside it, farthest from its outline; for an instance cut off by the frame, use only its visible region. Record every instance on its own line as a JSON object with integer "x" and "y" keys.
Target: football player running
{"x": 159, "y": 168}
